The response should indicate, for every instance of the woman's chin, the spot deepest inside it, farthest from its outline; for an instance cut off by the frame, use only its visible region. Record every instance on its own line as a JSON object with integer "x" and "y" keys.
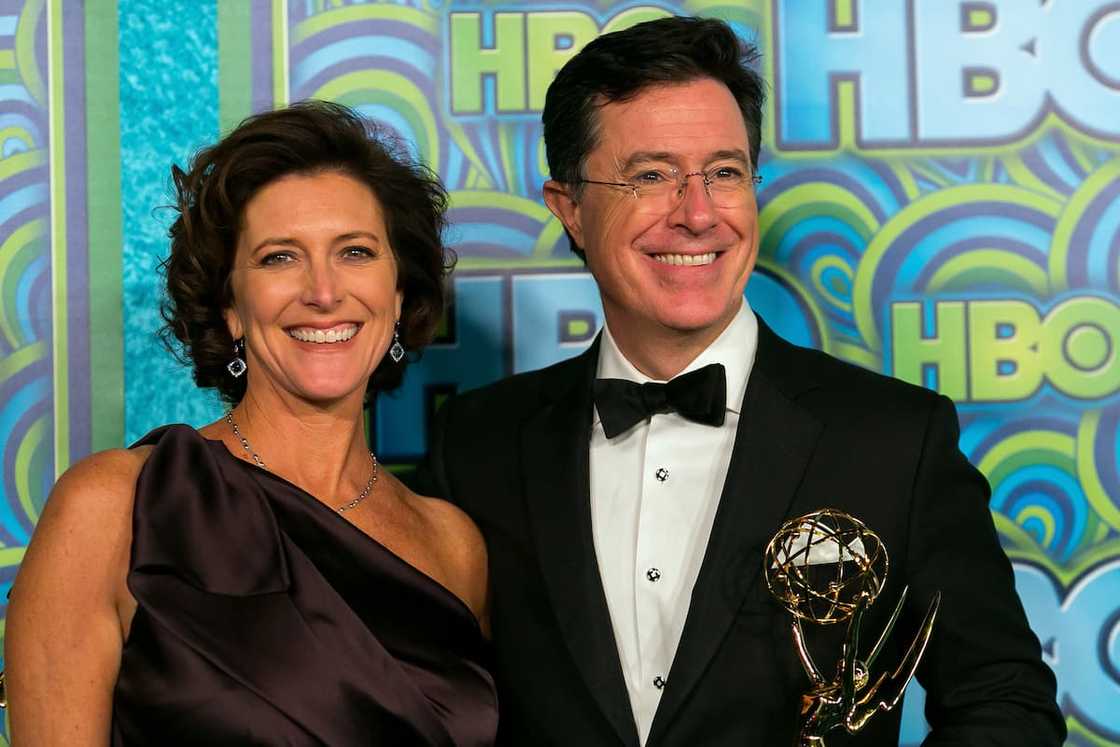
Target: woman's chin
{"x": 330, "y": 392}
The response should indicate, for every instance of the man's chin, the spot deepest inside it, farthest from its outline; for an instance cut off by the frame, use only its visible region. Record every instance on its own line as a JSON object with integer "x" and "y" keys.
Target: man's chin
{"x": 699, "y": 322}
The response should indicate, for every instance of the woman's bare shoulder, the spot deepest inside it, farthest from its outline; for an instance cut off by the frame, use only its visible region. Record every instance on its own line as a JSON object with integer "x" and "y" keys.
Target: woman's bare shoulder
{"x": 463, "y": 549}
{"x": 78, "y": 555}
{"x": 104, "y": 479}
{"x": 109, "y": 468}
{"x": 90, "y": 506}
{"x": 456, "y": 528}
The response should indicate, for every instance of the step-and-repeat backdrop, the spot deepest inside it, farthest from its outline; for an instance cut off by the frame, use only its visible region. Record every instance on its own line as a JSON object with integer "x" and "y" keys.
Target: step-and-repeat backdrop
{"x": 941, "y": 203}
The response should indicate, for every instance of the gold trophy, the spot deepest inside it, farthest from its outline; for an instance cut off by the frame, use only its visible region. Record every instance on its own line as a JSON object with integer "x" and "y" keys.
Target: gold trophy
{"x": 827, "y": 567}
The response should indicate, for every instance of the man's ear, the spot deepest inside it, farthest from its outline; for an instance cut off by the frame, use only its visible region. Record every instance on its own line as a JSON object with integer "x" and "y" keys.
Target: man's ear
{"x": 558, "y": 197}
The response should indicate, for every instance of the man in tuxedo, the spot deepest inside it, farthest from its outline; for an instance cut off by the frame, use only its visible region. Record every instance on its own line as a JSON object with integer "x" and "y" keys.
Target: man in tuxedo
{"x": 626, "y": 517}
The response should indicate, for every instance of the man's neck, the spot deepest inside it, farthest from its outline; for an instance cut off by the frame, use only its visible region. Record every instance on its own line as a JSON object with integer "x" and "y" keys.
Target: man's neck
{"x": 661, "y": 353}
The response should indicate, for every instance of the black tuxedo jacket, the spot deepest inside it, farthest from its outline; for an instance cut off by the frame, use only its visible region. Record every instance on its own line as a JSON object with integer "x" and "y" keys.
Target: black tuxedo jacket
{"x": 813, "y": 433}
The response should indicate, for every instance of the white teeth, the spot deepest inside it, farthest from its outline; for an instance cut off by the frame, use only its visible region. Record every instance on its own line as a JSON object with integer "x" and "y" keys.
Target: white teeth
{"x": 335, "y": 334}
{"x": 686, "y": 259}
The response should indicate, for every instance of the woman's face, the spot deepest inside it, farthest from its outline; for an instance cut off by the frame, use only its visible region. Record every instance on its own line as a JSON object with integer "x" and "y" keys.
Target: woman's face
{"x": 314, "y": 287}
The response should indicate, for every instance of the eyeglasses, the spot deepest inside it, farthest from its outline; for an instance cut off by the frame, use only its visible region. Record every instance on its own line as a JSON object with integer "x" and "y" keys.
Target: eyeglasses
{"x": 659, "y": 191}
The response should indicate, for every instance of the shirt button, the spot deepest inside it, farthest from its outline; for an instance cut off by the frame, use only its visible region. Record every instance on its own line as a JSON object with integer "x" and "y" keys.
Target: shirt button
{"x": 661, "y": 474}
{"x": 653, "y": 574}
{"x": 659, "y": 682}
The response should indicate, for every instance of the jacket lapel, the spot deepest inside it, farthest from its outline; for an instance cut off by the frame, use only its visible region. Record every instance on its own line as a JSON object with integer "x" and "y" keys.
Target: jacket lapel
{"x": 773, "y": 444}
{"x": 556, "y": 476}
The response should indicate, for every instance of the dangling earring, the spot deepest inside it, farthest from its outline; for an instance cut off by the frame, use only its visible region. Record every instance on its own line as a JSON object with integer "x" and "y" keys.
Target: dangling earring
{"x": 396, "y": 350}
{"x": 237, "y": 366}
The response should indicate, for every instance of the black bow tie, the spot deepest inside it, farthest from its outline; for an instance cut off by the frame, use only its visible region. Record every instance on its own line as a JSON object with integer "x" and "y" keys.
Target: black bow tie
{"x": 699, "y": 395}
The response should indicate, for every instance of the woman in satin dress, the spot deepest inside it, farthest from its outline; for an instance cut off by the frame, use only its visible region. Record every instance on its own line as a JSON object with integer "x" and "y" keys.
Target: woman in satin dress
{"x": 262, "y": 580}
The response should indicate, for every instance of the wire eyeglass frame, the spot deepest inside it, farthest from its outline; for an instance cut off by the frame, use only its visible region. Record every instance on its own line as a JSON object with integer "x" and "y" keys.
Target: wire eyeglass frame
{"x": 677, "y": 187}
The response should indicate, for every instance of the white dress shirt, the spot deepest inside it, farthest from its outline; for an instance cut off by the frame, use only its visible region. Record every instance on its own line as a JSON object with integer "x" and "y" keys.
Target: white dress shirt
{"x": 654, "y": 494}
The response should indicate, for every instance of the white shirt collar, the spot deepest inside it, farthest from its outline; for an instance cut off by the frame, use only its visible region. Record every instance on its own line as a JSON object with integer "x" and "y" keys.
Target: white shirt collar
{"x": 734, "y": 348}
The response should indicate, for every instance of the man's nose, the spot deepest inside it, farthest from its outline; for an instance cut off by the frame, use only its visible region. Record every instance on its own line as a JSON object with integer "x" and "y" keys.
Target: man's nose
{"x": 695, "y": 209}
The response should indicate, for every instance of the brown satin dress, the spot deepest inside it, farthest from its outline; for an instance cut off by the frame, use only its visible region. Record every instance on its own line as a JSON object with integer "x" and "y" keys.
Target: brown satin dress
{"x": 265, "y": 618}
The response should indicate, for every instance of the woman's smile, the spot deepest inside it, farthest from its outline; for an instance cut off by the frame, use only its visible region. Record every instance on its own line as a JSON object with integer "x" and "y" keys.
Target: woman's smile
{"x": 319, "y": 335}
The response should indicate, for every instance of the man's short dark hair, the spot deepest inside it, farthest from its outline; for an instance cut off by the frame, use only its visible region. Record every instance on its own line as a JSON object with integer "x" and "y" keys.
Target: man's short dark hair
{"x": 620, "y": 65}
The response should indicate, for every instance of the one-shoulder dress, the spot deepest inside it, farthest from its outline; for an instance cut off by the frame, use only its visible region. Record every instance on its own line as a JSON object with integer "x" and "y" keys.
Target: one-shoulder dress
{"x": 265, "y": 618}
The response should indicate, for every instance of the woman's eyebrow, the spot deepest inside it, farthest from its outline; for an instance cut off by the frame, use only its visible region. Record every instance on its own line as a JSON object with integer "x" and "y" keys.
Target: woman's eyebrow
{"x": 276, "y": 241}
{"x": 285, "y": 241}
{"x": 358, "y": 235}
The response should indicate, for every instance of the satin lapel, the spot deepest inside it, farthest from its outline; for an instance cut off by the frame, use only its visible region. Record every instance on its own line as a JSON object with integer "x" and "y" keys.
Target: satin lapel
{"x": 338, "y": 690}
{"x": 773, "y": 445}
{"x": 263, "y": 614}
{"x": 556, "y": 477}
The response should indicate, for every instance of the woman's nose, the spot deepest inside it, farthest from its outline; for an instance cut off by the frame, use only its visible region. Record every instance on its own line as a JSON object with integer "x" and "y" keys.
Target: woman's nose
{"x": 323, "y": 288}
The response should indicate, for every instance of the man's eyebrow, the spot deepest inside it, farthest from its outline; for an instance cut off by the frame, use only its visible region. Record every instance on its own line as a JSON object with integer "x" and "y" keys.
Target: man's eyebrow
{"x": 646, "y": 156}
{"x": 649, "y": 156}
{"x": 730, "y": 155}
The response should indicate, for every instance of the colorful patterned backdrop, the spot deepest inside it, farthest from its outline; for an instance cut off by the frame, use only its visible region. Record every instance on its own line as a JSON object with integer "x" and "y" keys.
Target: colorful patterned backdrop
{"x": 941, "y": 203}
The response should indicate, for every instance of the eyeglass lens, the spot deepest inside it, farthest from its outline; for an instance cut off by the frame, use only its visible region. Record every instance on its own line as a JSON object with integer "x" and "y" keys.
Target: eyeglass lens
{"x": 664, "y": 197}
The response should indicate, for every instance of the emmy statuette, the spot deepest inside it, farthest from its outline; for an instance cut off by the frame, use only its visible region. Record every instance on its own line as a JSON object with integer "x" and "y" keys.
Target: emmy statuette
{"x": 824, "y": 568}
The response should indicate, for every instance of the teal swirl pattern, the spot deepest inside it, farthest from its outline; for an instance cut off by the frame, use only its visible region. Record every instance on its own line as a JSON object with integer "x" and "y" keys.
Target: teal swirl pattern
{"x": 845, "y": 236}
{"x": 26, "y": 464}
{"x": 816, "y": 220}
{"x": 384, "y": 60}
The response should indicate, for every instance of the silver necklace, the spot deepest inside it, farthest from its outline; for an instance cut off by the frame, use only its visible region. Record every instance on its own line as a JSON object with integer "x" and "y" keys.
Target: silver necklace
{"x": 260, "y": 463}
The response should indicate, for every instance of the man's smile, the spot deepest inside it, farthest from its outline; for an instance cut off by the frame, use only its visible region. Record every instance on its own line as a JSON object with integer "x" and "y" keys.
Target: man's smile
{"x": 692, "y": 260}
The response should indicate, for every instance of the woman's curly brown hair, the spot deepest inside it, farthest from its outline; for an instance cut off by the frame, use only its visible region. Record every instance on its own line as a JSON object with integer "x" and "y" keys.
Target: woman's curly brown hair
{"x": 306, "y": 138}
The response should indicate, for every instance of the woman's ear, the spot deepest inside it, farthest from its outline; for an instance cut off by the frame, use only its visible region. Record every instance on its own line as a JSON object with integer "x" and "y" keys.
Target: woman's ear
{"x": 233, "y": 323}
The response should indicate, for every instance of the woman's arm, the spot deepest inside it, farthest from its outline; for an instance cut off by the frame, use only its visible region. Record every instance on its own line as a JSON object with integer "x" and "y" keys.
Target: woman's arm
{"x": 69, "y": 609}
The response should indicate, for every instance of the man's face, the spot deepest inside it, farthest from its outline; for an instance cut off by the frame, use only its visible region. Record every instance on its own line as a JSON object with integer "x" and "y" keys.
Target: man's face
{"x": 681, "y": 267}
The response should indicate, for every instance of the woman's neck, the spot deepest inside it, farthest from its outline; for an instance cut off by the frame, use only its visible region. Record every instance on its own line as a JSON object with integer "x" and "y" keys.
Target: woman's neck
{"x": 322, "y": 449}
